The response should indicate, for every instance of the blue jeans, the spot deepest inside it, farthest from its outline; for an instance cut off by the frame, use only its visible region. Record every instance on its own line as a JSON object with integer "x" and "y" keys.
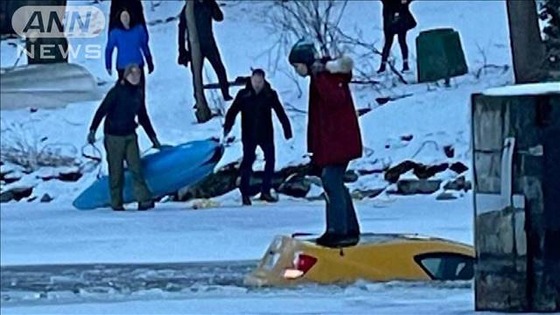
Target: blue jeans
{"x": 341, "y": 215}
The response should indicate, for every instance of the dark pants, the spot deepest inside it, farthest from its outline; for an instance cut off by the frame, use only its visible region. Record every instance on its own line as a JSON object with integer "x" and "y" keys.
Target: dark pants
{"x": 210, "y": 51}
{"x": 120, "y": 149}
{"x": 389, "y": 37}
{"x": 249, "y": 157}
{"x": 341, "y": 215}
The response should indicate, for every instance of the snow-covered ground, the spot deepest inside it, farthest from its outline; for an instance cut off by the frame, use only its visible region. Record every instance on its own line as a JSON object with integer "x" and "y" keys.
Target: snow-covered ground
{"x": 37, "y": 233}
{"x": 56, "y": 234}
{"x": 431, "y": 114}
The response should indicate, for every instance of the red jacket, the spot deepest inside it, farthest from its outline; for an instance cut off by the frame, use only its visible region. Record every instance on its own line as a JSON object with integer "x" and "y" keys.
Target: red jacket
{"x": 333, "y": 132}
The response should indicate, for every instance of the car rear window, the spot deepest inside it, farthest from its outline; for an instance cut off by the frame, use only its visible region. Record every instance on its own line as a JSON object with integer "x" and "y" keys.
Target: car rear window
{"x": 447, "y": 266}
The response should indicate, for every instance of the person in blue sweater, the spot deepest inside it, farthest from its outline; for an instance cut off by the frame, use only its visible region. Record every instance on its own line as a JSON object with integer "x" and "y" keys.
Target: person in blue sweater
{"x": 132, "y": 47}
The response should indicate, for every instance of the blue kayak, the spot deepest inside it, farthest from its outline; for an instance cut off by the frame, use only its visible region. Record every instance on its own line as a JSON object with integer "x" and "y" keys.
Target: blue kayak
{"x": 165, "y": 171}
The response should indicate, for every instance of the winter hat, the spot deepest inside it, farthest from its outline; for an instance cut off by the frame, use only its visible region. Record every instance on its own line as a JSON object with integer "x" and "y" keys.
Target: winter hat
{"x": 303, "y": 52}
{"x": 258, "y": 71}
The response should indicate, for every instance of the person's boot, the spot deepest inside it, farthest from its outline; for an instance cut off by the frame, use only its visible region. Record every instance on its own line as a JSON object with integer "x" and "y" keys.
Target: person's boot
{"x": 405, "y": 67}
{"x": 266, "y": 196}
{"x": 117, "y": 208}
{"x": 246, "y": 200}
{"x": 325, "y": 239}
{"x": 226, "y": 95}
{"x": 336, "y": 240}
{"x": 382, "y": 67}
{"x": 146, "y": 205}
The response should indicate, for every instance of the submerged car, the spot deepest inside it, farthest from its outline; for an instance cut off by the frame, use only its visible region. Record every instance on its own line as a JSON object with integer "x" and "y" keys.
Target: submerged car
{"x": 376, "y": 257}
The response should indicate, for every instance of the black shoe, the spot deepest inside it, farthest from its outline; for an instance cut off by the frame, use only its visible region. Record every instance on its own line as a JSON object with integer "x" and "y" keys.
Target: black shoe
{"x": 335, "y": 240}
{"x": 405, "y": 67}
{"x": 142, "y": 206}
{"x": 246, "y": 200}
{"x": 228, "y": 97}
{"x": 119, "y": 208}
{"x": 268, "y": 197}
{"x": 382, "y": 68}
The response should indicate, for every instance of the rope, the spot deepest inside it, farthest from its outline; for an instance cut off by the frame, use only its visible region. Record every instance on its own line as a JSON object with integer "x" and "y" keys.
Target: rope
{"x": 95, "y": 158}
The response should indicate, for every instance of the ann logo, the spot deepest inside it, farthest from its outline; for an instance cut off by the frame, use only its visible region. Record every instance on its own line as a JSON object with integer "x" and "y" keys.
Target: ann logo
{"x": 38, "y": 23}
{"x": 58, "y": 21}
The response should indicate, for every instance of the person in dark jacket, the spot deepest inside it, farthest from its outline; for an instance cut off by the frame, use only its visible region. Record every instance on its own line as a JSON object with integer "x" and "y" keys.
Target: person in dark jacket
{"x": 255, "y": 103}
{"x": 397, "y": 20}
{"x": 132, "y": 47}
{"x": 121, "y": 106}
{"x": 205, "y": 11}
{"x": 333, "y": 137}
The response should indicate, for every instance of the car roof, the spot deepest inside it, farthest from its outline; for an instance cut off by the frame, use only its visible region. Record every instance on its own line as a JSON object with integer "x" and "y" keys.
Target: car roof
{"x": 379, "y": 238}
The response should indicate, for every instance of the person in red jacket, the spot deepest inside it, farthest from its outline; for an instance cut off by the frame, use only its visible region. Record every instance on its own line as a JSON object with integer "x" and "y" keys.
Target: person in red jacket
{"x": 333, "y": 137}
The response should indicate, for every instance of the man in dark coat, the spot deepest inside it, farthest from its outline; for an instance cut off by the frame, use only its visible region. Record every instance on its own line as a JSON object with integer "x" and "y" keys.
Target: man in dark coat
{"x": 121, "y": 106}
{"x": 255, "y": 103}
{"x": 397, "y": 20}
{"x": 205, "y": 11}
{"x": 333, "y": 137}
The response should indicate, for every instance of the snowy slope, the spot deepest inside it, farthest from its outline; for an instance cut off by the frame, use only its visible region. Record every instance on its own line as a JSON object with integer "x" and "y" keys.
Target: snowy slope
{"x": 432, "y": 113}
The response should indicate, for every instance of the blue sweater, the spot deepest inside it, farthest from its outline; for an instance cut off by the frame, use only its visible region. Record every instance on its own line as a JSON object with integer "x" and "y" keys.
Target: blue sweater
{"x": 132, "y": 47}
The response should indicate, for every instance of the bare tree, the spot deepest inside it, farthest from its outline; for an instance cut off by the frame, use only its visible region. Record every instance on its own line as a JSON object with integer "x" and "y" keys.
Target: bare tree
{"x": 526, "y": 44}
{"x": 20, "y": 145}
{"x": 313, "y": 19}
{"x": 319, "y": 21}
{"x": 203, "y": 113}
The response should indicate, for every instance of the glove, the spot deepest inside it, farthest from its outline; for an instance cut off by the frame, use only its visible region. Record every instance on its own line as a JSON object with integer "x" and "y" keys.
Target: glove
{"x": 288, "y": 134}
{"x": 109, "y": 71}
{"x": 91, "y": 137}
{"x": 155, "y": 143}
{"x": 184, "y": 58}
{"x": 150, "y": 66}
{"x": 318, "y": 67}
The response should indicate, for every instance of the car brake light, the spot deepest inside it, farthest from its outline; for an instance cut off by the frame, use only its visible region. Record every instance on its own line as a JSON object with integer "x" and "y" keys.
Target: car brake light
{"x": 301, "y": 265}
{"x": 305, "y": 262}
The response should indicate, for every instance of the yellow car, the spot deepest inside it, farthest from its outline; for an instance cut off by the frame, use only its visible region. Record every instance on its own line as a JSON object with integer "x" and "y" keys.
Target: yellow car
{"x": 377, "y": 257}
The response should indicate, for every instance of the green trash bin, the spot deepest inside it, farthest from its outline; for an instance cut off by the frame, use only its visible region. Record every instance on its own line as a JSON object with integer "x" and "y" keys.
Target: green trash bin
{"x": 440, "y": 55}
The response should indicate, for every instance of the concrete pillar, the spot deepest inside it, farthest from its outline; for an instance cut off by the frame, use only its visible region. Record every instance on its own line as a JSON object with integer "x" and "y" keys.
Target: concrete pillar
{"x": 516, "y": 159}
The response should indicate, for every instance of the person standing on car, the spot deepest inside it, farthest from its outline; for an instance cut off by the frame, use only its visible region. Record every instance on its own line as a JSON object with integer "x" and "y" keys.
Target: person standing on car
{"x": 120, "y": 108}
{"x": 205, "y": 12}
{"x": 397, "y": 20}
{"x": 333, "y": 137}
{"x": 255, "y": 103}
